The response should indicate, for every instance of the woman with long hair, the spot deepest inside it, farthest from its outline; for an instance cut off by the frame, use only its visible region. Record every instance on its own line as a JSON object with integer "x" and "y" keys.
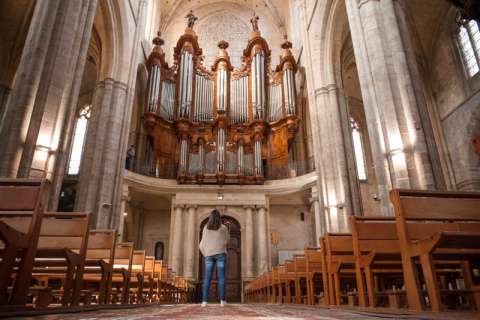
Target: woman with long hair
{"x": 213, "y": 246}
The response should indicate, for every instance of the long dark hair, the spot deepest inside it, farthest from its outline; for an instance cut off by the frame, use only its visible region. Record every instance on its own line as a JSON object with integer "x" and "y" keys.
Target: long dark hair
{"x": 214, "y": 221}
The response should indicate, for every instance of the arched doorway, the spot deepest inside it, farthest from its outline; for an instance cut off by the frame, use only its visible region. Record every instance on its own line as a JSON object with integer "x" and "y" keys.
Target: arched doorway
{"x": 233, "y": 274}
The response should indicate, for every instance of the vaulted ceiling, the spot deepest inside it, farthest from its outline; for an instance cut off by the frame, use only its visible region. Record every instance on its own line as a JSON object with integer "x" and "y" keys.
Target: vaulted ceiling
{"x": 227, "y": 20}
{"x": 276, "y": 9}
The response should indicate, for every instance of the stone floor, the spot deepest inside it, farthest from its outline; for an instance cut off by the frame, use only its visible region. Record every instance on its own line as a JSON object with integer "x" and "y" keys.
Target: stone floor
{"x": 241, "y": 312}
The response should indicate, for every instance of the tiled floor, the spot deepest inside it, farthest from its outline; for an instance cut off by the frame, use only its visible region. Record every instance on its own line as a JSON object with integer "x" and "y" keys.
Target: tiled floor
{"x": 236, "y": 311}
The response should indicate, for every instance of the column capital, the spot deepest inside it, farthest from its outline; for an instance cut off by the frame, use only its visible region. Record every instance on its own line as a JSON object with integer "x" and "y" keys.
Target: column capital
{"x": 248, "y": 206}
{"x": 191, "y": 206}
{"x": 261, "y": 206}
{"x": 178, "y": 206}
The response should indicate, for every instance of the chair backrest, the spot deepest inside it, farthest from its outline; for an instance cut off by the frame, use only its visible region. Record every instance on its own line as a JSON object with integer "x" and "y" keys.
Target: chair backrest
{"x": 101, "y": 245}
{"x": 149, "y": 266}
{"x": 313, "y": 255}
{"x": 22, "y": 205}
{"x": 299, "y": 263}
{"x": 338, "y": 243}
{"x": 419, "y": 214}
{"x": 124, "y": 256}
{"x": 377, "y": 234}
{"x": 157, "y": 270}
{"x": 138, "y": 261}
{"x": 436, "y": 205}
{"x": 65, "y": 230}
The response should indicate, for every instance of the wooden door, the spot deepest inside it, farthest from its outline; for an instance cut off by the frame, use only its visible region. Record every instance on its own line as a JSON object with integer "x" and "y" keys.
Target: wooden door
{"x": 233, "y": 279}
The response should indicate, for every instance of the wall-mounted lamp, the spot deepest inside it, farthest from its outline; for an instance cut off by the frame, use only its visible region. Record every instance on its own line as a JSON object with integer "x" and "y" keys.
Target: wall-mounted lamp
{"x": 125, "y": 214}
{"x": 220, "y": 196}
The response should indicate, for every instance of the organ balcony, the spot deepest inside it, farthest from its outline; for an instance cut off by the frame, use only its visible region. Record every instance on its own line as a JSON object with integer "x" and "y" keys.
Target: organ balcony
{"x": 221, "y": 125}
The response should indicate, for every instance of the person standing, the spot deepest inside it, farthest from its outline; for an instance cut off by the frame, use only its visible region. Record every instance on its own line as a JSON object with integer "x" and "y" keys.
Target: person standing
{"x": 130, "y": 157}
{"x": 213, "y": 246}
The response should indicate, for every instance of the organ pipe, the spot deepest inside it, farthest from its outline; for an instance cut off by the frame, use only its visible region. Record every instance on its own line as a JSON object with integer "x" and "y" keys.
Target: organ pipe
{"x": 153, "y": 88}
{"x": 258, "y": 101}
{"x": 240, "y": 162}
{"x": 258, "y": 158}
{"x": 183, "y": 156}
{"x": 221, "y": 149}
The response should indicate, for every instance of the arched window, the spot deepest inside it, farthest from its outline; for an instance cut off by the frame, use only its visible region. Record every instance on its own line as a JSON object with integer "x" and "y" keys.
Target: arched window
{"x": 79, "y": 140}
{"x": 469, "y": 41}
{"x": 159, "y": 250}
{"x": 358, "y": 150}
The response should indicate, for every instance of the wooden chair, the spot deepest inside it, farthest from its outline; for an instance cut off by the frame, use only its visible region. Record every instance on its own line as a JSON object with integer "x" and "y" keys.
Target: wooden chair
{"x": 61, "y": 252}
{"x": 159, "y": 281}
{"x": 137, "y": 276}
{"x": 149, "y": 279}
{"x": 316, "y": 265}
{"x": 99, "y": 265}
{"x": 436, "y": 226}
{"x": 22, "y": 205}
{"x": 122, "y": 271}
{"x": 340, "y": 263}
{"x": 376, "y": 250}
{"x": 300, "y": 269}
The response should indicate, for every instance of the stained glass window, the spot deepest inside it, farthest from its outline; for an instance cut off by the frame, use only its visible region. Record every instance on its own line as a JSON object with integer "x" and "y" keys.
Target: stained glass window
{"x": 469, "y": 40}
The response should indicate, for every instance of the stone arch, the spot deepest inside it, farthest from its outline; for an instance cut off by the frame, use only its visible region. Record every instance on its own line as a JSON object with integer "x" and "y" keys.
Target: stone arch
{"x": 111, "y": 23}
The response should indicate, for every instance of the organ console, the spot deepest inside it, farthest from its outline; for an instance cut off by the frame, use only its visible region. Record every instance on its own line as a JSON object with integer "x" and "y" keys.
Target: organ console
{"x": 223, "y": 125}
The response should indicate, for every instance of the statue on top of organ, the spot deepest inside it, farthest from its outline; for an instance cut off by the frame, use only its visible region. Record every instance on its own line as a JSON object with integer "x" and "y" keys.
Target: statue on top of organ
{"x": 224, "y": 125}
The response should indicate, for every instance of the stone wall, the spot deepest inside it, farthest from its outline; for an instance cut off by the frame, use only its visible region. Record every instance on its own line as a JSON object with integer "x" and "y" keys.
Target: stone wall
{"x": 293, "y": 233}
{"x": 156, "y": 227}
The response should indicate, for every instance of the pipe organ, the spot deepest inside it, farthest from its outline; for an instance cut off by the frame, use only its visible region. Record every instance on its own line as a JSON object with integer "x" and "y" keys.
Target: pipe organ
{"x": 221, "y": 125}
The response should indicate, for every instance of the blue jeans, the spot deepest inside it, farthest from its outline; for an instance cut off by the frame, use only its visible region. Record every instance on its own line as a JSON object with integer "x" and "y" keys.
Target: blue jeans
{"x": 219, "y": 260}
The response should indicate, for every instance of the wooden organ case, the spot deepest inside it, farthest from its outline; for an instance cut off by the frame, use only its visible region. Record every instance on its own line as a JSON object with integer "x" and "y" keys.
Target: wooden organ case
{"x": 220, "y": 126}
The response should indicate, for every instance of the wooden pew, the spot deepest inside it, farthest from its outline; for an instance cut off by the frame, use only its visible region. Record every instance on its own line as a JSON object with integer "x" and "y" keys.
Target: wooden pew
{"x": 122, "y": 271}
{"x": 61, "y": 253}
{"x": 289, "y": 280}
{"x": 19, "y": 234}
{"x": 137, "y": 276}
{"x": 435, "y": 225}
{"x": 340, "y": 262}
{"x": 159, "y": 281}
{"x": 376, "y": 249}
{"x": 300, "y": 267}
{"x": 316, "y": 265}
{"x": 99, "y": 265}
{"x": 149, "y": 279}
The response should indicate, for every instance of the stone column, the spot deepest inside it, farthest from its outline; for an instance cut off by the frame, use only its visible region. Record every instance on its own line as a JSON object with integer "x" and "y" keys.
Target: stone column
{"x": 123, "y": 208}
{"x": 262, "y": 238}
{"x": 190, "y": 243}
{"x": 40, "y": 99}
{"x": 391, "y": 107}
{"x": 249, "y": 242}
{"x": 19, "y": 109}
{"x": 98, "y": 174}
{"x": 326, "y": 122}
{"x": 177, "y": 239}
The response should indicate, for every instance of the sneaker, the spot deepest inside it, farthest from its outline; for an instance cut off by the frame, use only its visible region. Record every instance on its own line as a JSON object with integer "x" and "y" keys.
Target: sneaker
{"x": 223, "y": 303}
{"x": 204, "y": 304}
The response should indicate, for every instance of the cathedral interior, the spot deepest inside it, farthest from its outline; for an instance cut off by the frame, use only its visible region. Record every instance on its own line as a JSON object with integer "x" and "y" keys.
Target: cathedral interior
{"x": 339, "y": 139}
